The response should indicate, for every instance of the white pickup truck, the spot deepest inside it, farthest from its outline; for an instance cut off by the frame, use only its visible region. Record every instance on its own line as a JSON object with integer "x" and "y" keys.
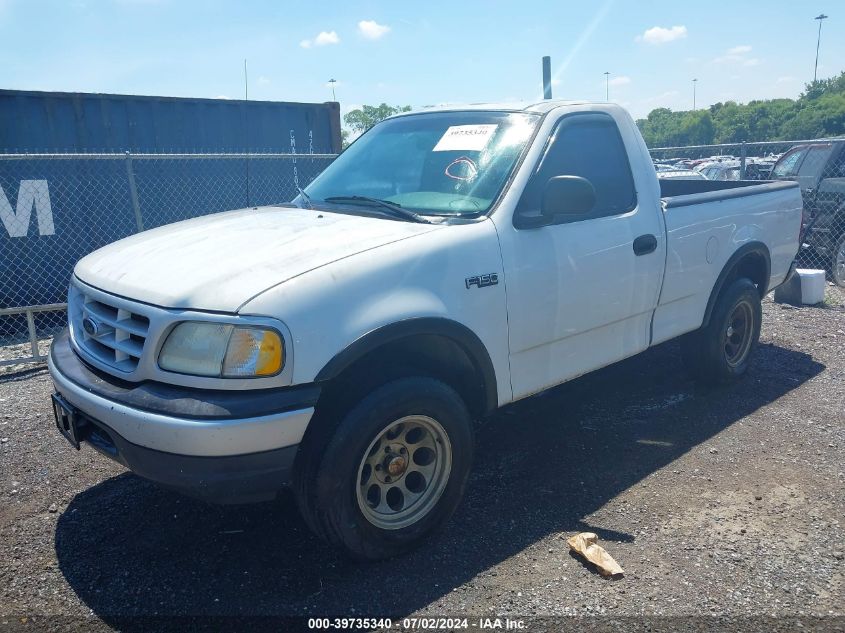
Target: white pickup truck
{"x": 447, "y": 263}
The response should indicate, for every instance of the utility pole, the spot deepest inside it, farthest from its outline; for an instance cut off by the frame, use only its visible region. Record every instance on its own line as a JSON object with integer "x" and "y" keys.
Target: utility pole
{"x": 333, "y": 82}
{"x": 694, "y": 82}
{"x": 547, "y": 77}
{"x": 821, "y": 18}
{"x": 607, "y": 86}
{"x": 246, "y": 84}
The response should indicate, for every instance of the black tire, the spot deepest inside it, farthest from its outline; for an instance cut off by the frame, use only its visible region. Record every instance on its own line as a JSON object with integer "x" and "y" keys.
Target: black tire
{"x": 837, "y": 262}
{"x": 327, "y": 482}
{"x": 713, "y": 354}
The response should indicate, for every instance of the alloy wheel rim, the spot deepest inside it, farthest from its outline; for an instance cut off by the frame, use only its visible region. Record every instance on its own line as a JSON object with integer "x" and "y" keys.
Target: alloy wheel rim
{"x": 737, "y": 338}
{"x": 403, "y": 472}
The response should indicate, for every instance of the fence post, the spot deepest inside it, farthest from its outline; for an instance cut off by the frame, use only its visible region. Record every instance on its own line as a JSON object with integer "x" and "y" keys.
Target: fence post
{"x": 742, "y": 154}
{"x": 133, "y": 193}
{"x": 33, "y": 336}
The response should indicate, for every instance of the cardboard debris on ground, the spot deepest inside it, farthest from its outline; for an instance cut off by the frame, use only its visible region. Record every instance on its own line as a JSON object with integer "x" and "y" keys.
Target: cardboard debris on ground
{"x": 585, "y": 545}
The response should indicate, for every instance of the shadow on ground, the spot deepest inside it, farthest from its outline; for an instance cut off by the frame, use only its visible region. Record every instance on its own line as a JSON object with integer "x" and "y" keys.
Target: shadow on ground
{"x": 128, "y": 548}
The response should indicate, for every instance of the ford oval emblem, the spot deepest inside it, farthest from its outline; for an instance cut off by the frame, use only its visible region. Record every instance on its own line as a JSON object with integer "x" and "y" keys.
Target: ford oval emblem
{"x": 91, "y": 327}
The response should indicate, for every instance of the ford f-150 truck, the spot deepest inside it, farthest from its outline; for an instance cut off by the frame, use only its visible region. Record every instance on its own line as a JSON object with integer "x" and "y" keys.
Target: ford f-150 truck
{"x": 447, "y": 263}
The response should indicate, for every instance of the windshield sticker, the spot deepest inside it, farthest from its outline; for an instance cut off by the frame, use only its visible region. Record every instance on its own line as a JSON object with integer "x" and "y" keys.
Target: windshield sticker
{"x": 465, "y": 138}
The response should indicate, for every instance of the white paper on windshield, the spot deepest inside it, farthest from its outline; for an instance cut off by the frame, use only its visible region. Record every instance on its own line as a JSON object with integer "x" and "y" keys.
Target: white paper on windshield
{"x": 465, "y": 138}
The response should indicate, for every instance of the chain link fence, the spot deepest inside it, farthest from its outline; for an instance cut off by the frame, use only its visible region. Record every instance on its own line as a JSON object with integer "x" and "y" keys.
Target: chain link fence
{"x": 819, "y": 167}
{"x": 56, "y": 208}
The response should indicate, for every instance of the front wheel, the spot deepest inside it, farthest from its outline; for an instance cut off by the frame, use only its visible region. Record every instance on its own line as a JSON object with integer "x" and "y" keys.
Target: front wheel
{"x": 393, "y": 472}
{"x": 721, "y": 351}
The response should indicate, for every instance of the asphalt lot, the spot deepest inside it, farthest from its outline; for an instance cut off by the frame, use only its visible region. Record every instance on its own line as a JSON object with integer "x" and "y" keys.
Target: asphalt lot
{"x": 722, "y": 502}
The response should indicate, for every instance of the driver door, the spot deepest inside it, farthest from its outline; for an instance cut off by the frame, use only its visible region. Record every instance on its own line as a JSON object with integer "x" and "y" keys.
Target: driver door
{"x": 581, "y": 291}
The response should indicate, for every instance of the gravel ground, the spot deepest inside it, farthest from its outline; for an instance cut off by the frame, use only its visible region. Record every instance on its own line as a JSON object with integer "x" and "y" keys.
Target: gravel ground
{"x": 721, "y": 502}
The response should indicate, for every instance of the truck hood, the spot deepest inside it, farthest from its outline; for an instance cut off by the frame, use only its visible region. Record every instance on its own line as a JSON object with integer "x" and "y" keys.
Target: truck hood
{"x": 218, "y": 262}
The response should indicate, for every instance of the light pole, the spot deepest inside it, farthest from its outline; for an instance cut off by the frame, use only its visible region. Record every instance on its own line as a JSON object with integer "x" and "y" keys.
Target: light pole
{"x": 333, "y": 82}
{"x": 821, "y": 18}
{"x": 694, "y": 82}
{"x": 607, "y": 86}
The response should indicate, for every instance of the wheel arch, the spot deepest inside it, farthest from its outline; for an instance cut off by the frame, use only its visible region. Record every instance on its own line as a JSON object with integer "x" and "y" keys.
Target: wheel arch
{"x": 439, "y": 346}
{"x": 751, "y": 260}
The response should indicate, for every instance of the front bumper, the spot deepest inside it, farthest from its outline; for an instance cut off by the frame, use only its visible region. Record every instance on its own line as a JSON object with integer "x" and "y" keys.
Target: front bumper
{"x": 222, "y": 446}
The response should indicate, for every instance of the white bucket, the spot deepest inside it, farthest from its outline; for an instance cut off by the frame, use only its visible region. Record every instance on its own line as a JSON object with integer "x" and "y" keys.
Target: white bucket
{"x": 812, "y": 286}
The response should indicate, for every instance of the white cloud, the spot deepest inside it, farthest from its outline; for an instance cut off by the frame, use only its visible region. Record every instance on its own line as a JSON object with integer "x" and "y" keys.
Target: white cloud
{"x": 621, "y": 80}
{"x": 739, "y": 50}
{"x": 662, "y": 35}
{"x": 372, "y": 30}
{"x": 324, "y": 38}
{"x": 737, "y": 55}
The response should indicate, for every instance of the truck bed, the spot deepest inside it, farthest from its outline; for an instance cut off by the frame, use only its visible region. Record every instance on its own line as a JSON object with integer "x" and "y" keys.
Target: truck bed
{"x": 679, "y": 193}
{"x": 706, "y": 221}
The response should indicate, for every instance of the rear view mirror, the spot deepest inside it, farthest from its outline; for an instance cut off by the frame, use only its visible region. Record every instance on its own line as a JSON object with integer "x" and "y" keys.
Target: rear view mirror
{"x": 567, "y": 195}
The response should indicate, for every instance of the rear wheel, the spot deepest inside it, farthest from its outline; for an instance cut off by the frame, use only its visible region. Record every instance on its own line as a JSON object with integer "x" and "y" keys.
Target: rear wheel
{"x": 721, "y": 351}
{"x": 393, "y": 472}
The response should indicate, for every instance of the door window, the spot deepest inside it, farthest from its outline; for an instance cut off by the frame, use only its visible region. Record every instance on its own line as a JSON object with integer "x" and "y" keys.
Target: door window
{"x": 589, "y": 146}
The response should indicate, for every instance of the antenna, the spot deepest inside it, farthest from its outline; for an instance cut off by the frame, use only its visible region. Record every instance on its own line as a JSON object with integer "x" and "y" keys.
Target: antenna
{"x": 246, "y": 84}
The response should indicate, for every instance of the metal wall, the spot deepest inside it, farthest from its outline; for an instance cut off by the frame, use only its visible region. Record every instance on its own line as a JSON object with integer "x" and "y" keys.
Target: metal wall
{"x": 78, "y": 122}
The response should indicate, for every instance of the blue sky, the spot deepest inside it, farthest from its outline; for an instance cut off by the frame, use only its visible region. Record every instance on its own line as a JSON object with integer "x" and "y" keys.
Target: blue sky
{"x": 421, "y": 53}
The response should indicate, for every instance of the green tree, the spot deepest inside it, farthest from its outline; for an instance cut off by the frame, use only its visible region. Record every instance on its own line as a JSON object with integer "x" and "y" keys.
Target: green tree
{"x": 818, "y": 112}
{"x": 365, "y": 117}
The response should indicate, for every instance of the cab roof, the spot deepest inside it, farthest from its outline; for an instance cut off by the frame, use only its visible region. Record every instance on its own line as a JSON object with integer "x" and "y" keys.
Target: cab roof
{"x": 540, "y": 107}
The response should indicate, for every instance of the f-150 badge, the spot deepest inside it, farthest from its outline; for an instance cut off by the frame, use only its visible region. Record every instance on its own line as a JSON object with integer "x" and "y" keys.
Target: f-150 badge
{"x": 482, "y": 281}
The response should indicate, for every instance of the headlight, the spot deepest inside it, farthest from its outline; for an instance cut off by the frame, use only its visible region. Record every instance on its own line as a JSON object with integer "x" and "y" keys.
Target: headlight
{"x": 221, "y": 350}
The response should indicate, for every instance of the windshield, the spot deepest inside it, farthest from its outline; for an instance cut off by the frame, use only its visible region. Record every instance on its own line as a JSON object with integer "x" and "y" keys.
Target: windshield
{"x": 445, "y": 163}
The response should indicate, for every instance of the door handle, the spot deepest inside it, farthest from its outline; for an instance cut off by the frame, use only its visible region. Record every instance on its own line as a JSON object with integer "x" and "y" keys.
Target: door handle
{"x": 645, "y": 244}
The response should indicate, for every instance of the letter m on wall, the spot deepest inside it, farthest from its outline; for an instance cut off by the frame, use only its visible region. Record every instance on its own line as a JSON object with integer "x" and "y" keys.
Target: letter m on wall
{"x": 31, "y": 193}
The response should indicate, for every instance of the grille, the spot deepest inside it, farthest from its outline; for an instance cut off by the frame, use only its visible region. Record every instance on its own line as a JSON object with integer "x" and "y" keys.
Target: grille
{"x": 114, "y": 335}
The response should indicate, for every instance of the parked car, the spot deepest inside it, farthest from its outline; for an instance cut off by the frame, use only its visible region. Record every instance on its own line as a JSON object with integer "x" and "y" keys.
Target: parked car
{"x": 658, "y": 167}
{"x": 758, "y": 168}
{"x": 683, "y": 174}
{"x": 720, "y": 170}
{"x": 819, "y": 169}
{"x": 446, "y": 264}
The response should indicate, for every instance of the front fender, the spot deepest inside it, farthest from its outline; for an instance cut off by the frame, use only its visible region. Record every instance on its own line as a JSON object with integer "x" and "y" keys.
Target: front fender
{"x": 332, "y": 308}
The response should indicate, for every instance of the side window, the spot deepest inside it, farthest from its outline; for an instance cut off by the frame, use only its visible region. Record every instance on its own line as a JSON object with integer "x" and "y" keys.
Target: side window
{"x": 815, "y": 162}
{"x": 589, "y": 146}
{"x": 788, "y": 164}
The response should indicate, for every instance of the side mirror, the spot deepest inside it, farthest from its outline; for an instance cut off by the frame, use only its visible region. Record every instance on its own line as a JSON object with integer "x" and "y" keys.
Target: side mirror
{"x": 567, "y": 195}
